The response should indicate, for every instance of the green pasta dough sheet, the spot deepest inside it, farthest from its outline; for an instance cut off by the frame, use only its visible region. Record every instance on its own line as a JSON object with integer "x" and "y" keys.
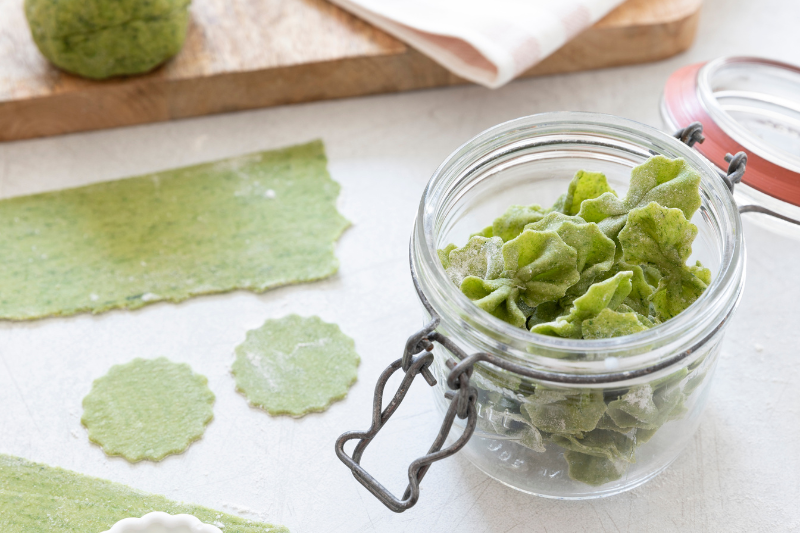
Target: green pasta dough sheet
{"x": 36, "y": 498}
{"x": 295, "y": 365}
{"x": 147, "y": 409}
{"x": 252, "y": 222}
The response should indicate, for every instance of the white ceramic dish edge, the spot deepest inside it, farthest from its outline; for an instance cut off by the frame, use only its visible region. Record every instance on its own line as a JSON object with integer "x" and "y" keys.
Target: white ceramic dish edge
{"x": 158, "y": 522}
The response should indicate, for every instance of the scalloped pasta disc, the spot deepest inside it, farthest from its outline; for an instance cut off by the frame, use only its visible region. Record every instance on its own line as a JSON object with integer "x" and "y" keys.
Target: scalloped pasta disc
{"x": 295, "y": 365}
{"x": 147, "y": 409}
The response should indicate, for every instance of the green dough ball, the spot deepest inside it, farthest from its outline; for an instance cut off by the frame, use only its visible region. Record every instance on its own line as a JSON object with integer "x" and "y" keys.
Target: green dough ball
{"x": 295, "y": 365}
{"x": 147, "y": 409}
{"x": 99, "y": 39}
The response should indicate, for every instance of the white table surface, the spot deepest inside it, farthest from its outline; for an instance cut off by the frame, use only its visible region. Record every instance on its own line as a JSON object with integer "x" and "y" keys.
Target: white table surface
{"x": 740, "y": 473}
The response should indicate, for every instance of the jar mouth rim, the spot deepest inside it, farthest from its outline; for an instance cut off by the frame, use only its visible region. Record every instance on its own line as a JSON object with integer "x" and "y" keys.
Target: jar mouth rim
{"x": 724, "y": 290}
{"x": 750, "y": 141}
{"x": 730, "y": 94}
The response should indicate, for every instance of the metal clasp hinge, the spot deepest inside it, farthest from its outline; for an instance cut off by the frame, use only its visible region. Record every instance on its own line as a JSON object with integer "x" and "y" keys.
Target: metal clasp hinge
{"x": 737, "y": 165}
{"x": 416, "y": 359}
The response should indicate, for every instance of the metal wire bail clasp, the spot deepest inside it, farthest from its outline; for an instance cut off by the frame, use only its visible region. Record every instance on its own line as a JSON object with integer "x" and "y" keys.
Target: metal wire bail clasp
{"x": 737, "y": 165}
{"x": 416, "y": 359}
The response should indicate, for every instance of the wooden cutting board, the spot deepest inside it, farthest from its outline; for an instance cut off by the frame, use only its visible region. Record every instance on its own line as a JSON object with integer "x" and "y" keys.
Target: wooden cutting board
{"x": 245, "y": 54}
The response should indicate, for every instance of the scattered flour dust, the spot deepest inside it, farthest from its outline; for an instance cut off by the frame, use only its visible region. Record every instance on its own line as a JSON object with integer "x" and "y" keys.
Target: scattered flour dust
{"x": 246, "y": 511}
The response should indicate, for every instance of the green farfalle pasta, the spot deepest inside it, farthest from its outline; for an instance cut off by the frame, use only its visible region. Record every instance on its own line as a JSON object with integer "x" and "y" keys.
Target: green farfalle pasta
{"x": 500, "y": 297}
{"x": 608, "y": 423}
{"x": 635, "y": 409}
{"x": 668, "y": 182}
{"x": 594, "y": 470}
{"x": 511, "y": 223}
{"x": 662, "y": 238}
{"x": 608, "y": 324}
{"x": 531, "y": 438}
{"x": 593, "y": 266}
{"x": 564, "y": 412}
{"x": 641, "y": 290}
{"x": 595, "y": 251}
{"x": 480, "y": 257}
{"x": 611, "y": 445}
{"x": 650, "y": 405}
{"x": 444, "y": 255}
{"x": 546, "y": 312}
{"x": 606, "y": 295}
{"x": 543, "y": 265}
{"x": 584, "y": 186}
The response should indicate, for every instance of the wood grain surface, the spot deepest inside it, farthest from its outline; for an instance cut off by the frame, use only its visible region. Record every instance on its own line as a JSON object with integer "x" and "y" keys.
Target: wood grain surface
{"x": 244, "y": 54}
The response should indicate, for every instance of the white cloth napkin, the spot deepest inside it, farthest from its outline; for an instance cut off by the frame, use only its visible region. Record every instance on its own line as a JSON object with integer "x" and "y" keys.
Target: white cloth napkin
{"x": 489, "y": 42}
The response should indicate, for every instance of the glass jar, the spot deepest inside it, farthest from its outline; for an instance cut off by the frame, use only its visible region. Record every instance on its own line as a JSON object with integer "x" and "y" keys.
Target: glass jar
{"x": 605, "y": 415}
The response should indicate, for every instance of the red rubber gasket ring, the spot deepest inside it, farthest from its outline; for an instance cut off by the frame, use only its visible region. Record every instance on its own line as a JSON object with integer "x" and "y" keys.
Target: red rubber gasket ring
{"x": 683, "y": 103}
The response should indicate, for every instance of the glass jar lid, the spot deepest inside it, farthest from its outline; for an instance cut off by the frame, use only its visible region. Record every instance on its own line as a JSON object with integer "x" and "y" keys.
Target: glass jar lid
{"x": 745, "y": 104}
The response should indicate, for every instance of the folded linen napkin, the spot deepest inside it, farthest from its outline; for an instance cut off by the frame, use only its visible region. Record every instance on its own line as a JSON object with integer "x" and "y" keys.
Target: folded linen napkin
{"x": 489, "y": 42}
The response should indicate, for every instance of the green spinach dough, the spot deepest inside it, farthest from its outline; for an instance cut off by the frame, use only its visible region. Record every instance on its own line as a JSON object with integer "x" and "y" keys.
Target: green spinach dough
{"x": 99, "y": 39}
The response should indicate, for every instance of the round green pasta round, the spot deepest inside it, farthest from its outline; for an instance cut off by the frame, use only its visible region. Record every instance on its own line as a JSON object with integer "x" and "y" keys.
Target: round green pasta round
{"x": 99, "y": 39}
{"x": 147, "y": 409}
{"x": 295, "y": 365}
